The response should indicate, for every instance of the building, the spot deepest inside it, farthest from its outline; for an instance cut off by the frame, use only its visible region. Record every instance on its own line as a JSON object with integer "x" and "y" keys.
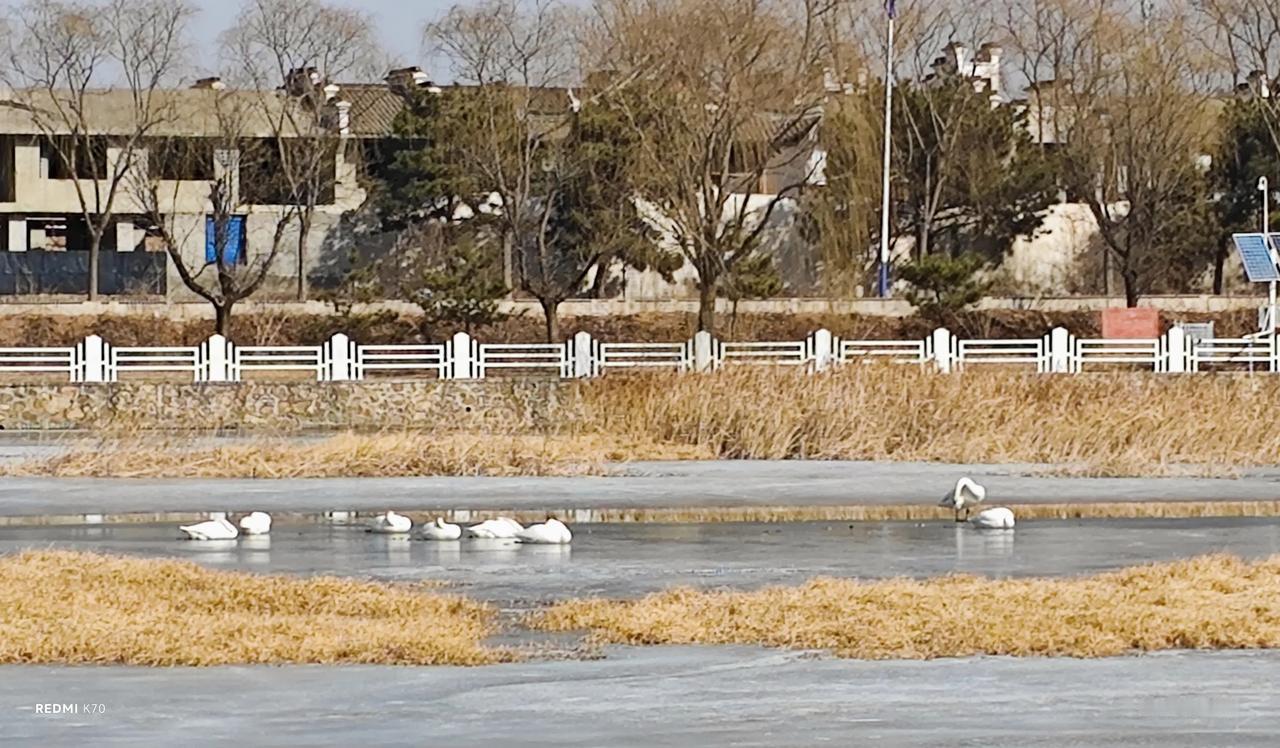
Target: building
{"x": 62, "y": 155}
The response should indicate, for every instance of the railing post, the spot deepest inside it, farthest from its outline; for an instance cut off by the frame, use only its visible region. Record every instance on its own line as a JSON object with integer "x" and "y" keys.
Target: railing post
{"x": 339, "y": 358}
{"x": 461, "y": 357}
{"x": 215, "y": 360}
{"x": 92, "y": 357}
{"x": 585, "y": 363}
{"x": 1059, "y": 351}
{"x": 1175, "y": 350}
{"x": 821, "y": 349}
{"x": 704, "y": 351}
{"x": 943, "y": 352}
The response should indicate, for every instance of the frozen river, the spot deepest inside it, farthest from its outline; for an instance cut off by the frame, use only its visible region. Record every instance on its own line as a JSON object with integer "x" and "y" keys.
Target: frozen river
{"x": 632, "y": 559}
{"x": 671, "y": 696}
{"x": 665, "y": 696}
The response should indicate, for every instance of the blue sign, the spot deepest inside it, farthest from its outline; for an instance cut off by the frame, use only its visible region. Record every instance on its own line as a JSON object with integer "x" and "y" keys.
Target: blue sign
{"x": 234, "y": 240}
{"x": 1255, "y": 255}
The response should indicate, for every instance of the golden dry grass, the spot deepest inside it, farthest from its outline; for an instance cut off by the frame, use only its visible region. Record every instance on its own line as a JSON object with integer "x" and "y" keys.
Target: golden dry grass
{"x": 1115, "y": 424}
{"x": 71, "y": 607}
{"x": 1122, "y": 423}
{"x": 926, "y": 512}
{"x": 354, "y": 455}
{"x": 1212, "y": 602}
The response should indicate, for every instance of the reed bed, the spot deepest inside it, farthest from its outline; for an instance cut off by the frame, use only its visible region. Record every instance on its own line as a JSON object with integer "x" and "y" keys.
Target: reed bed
{"x": 1209, "y": 602}
{"x": 1122, "y": 423}
{"x": 72, "y": 607}
{"x": 930, "y": 512}
{"x": 343, "y": 455}
{"x": 1110, "y": 424}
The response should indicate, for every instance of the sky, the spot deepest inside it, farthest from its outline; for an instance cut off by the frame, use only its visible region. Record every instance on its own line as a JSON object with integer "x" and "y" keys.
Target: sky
{"x": 399, "y": 25}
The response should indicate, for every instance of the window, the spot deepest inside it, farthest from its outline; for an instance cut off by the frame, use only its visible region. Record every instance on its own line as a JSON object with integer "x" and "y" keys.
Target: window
{"x": 75, "y": 156}
{"x": 8, "y": 191}
{"x": 229, "y": 236}
{"x": 182, "y": 159}
{"x": 265, "y": 169}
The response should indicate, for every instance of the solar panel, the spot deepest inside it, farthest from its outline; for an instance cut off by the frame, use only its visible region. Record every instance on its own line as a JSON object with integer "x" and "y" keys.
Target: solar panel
{"x": 1255, "y": 255}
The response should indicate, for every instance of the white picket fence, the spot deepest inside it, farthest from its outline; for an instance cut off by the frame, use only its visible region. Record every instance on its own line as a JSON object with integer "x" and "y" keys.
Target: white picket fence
{"x": 341, "y": 360}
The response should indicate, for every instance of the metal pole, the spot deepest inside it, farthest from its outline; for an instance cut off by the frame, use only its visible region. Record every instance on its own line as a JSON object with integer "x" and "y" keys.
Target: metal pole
{"x": 1265, "y": 189}
{"x": 888, "y": 146}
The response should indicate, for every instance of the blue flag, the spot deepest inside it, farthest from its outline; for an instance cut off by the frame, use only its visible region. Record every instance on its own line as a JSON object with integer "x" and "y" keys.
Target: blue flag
{"x": 890, "y": 8}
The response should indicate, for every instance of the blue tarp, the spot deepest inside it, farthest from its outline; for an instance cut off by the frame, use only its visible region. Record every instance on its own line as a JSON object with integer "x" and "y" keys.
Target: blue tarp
{"x": 234, "y": 240}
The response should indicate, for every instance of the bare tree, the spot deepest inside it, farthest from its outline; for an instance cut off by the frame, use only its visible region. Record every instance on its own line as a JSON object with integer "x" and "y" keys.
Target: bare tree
{"x": 306, "y": 47}
{"x": 556, "y": 160}
{"x": 194, "y": 202}
{"x": 92, "y": 77}
{"x": 725, "y": 96}
{"x": 1129, "y": 110}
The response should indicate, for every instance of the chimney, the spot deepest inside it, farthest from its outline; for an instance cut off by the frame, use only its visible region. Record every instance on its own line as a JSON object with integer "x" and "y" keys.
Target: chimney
{"x": 301, "y": 81}
{"x": 331, "y": 91}
{"x": 344, "y": 116}
{"x": 987, "y": 65}
{"x": 958, "y": 55}
{"x": 403, "y": 80}
{"x": 1258, "y": 85}
{"x": 213, "y": 83}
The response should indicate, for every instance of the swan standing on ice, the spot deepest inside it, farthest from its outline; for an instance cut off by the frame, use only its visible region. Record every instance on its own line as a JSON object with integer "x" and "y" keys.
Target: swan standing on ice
{"x": 551, "y": 532}
{"x": 390, "y": 523}
{"x": 441, "y": 530}
{"x": 966, "y": 495}
{"x": 502, "y": 527}
{"x": 213, "y": 529}
{"x": 255, "y": 523}
{"x": 995, "y": 518}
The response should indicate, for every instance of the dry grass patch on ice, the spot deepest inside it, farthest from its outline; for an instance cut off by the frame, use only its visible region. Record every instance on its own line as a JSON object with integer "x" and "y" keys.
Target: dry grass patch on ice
{"x": 407, "y": 453}
{"x": 1211, "y": 602}
{"x": 71, "y": 607}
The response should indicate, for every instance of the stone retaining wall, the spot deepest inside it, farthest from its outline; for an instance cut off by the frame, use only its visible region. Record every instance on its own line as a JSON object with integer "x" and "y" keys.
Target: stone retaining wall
{"x": 283, "y": 406}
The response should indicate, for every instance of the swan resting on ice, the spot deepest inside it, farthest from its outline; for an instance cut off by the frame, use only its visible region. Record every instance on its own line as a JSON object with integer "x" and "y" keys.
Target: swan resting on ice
{"x": 995, "y": 518}
{"x": 441, "y": 530}
{"x": 551, "y": 532}
{"x": 966, "y": 495}
{"x": 255, "y": 523}
{"x": 212, "y": 529}
{"x": 502, "y": 527}
{"x": 390, "y": 523}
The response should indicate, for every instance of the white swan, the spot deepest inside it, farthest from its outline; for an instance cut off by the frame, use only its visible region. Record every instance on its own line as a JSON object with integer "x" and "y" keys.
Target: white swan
{"x": 390, "y": 523}
{"x": 551, "y": 532}
{"x": 441, "y": 530}
{"x": 502, "y": 527}
{"x": 966, "y": 495}
{"x": 255, "y": 523}
{"x": 211, "y": 529}
{"x": 995, "y": 518}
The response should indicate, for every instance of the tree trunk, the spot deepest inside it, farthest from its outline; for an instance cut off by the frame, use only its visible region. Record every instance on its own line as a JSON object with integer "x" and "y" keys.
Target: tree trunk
{"x": 304, "y": 231}
{"x": 1219, "y": 268}
{"x": 222, "y": 318}
{"x": 1130, "y": 288}
{"x": 95, "y": 246}
{"x": 601, "y": 277}
{"x": 707, "y": 304}
{"x": 551, "y": 320}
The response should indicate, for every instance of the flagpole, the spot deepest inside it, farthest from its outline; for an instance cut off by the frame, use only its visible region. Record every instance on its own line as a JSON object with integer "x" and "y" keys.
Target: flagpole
{"x": 888, "y": 144}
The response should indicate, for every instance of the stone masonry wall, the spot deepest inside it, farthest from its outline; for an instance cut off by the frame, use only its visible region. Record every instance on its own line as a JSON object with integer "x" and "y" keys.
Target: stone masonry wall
{"x": 283, "y": 406}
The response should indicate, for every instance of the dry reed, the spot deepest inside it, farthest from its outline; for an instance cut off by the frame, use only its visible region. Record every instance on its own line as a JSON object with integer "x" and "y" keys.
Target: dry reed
{"x": 930, "y": 512}
{"x": 1122, "y": 423}
{"x": 71, "y": 607}
{"x": 1209, "y": 602}
{"x": 343, "y": 455}
{"x": 1112, "y": 424}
